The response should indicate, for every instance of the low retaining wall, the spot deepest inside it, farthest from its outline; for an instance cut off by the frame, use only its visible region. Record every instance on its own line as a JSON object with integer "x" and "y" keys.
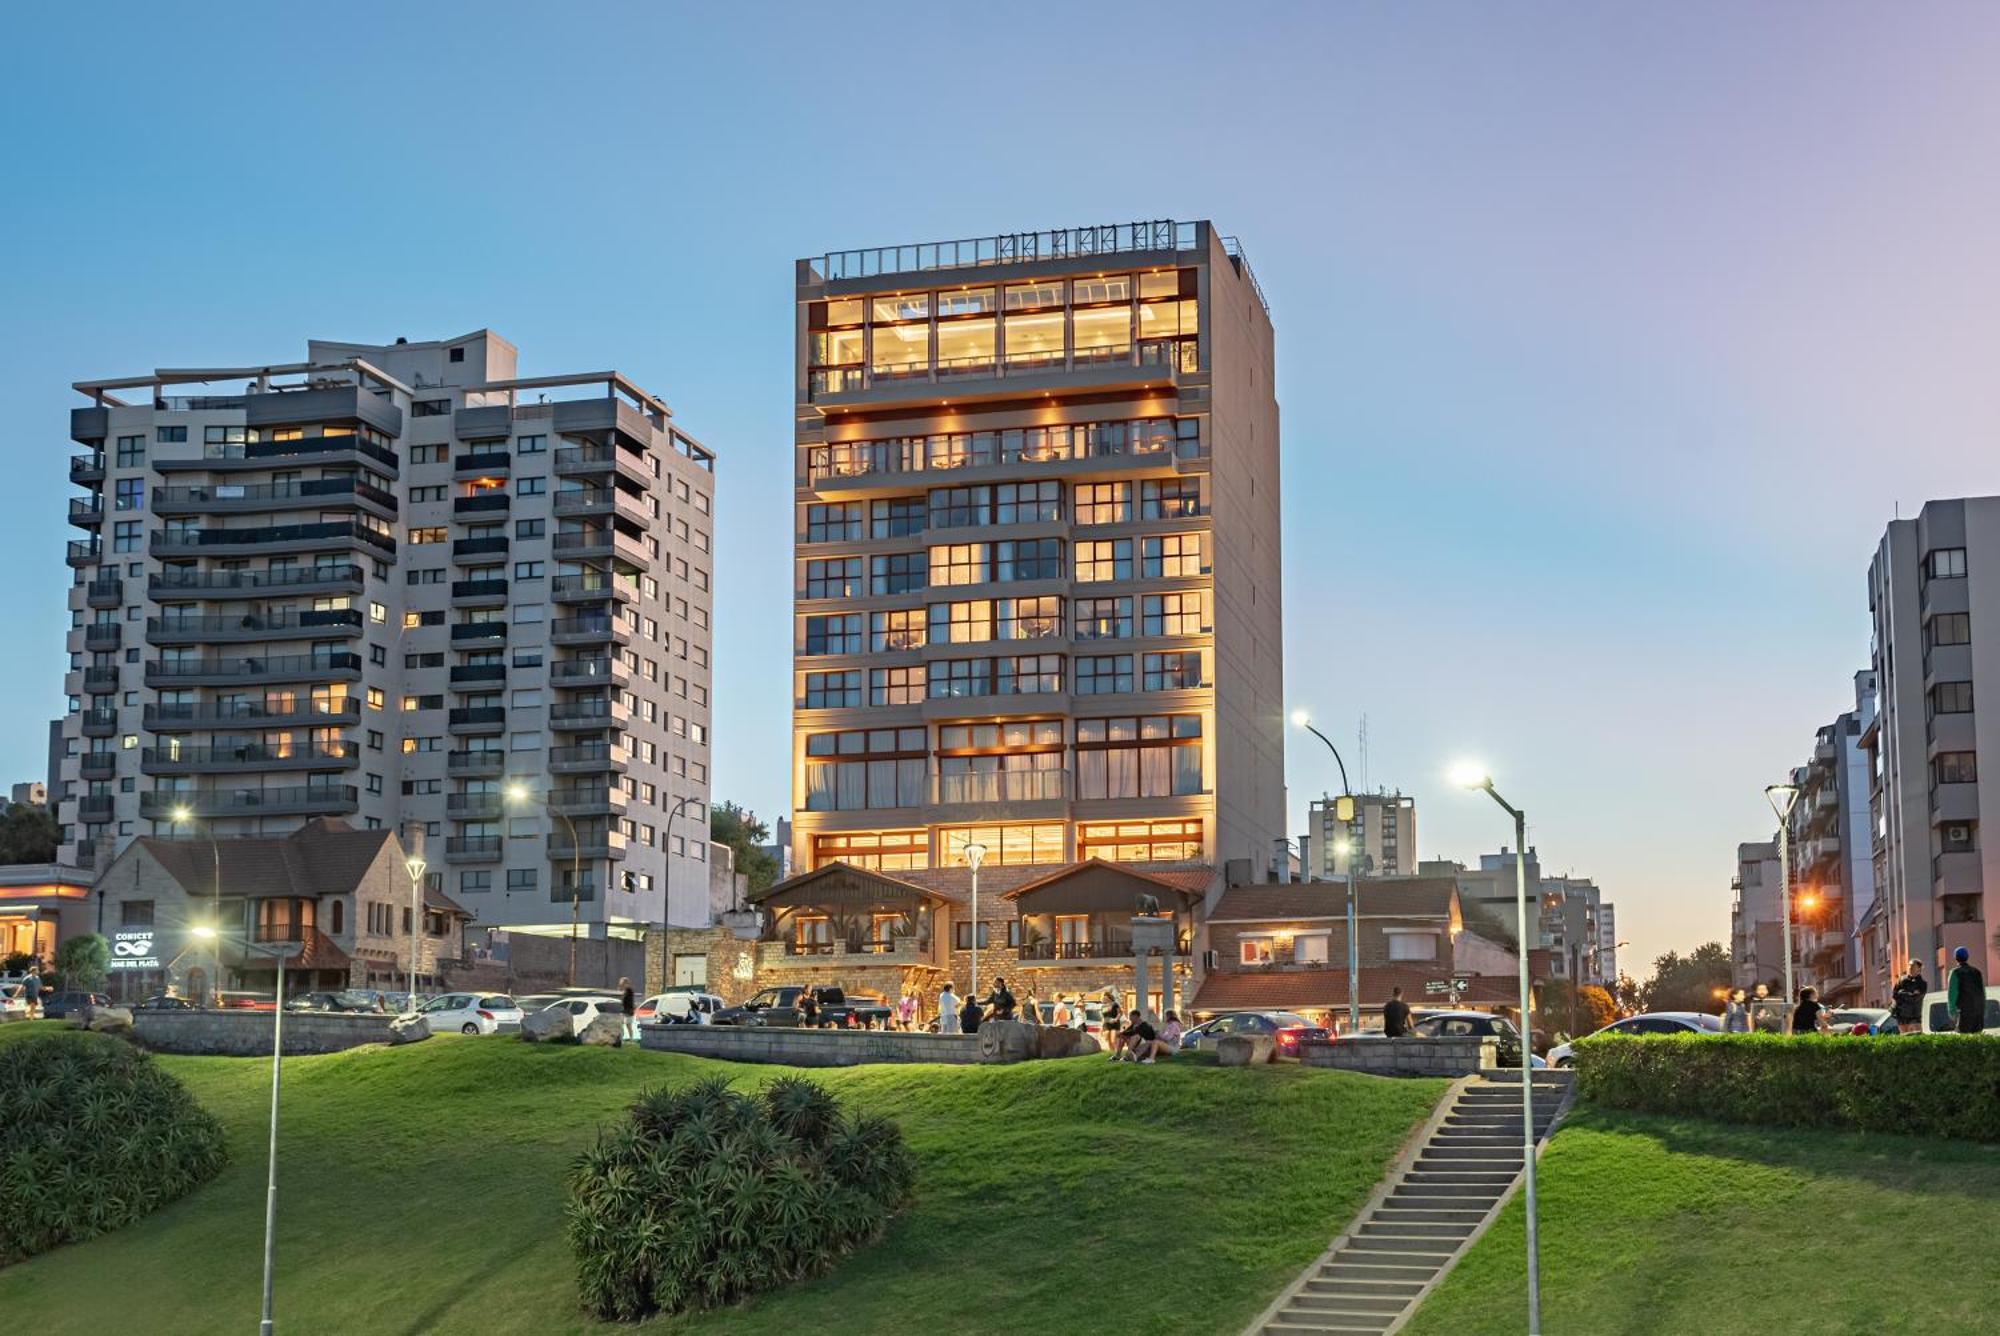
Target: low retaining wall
{"x": 1454, "y": 1055}
{"x": 247, "y": 1034}
{"x": 796, "y": 1047}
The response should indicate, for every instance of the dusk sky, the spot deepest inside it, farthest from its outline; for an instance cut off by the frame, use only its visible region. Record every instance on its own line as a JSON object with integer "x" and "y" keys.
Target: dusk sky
{"x": 1609, "y": 339}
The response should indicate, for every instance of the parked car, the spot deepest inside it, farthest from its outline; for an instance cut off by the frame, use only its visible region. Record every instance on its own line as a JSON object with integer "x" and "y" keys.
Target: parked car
{"x": 57, "y": 1006}
{"x": 678, "y": 1008}
{"x": 583, "y": 1010}
{"x": 534, "y": 1002}
{"x": 1484, "y": 1024}
{"x": 1858, "y": 1020}
{"x": 1652, "y": 1022}
{"x": 780, "y": 1006}
{"x": 163, "y": 1002}
{"x": 1937, "y": 1011}
{"x": 13, "y": 1001}
{"x": 472, "y": 1013}
{"x": 1286, "y": 1029}
{"x": 343, "y": 1000}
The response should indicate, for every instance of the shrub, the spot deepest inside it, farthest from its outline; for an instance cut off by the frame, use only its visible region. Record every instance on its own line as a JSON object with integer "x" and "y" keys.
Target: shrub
{"x": 1938, "y": 1085}
{"x": 707, "y": 1194}
{"x": 93, "y": 1136}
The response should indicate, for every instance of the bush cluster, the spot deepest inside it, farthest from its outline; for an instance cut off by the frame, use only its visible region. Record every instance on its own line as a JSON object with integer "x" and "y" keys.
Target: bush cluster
{"x": 706, "y": 1195}
{"x": 1939, "y": 1085}
{"x": 93, "y": 1135}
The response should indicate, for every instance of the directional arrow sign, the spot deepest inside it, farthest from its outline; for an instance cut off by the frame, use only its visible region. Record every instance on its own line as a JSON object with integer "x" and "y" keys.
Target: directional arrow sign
{"x": 1460, "y": 985}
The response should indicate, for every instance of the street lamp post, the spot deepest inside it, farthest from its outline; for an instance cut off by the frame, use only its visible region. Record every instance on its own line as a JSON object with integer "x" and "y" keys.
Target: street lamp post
{"x": 975, "y": 854}
{"x": 666, "y": 904}
{"x": 415, "y": 865}
{"x": 1475, "y": 777}
{"x": 184, "y": 815}
{"x": 1781, "y": 797}
{"x": 1303, "y": 720}
{"x": 519, "y": 793}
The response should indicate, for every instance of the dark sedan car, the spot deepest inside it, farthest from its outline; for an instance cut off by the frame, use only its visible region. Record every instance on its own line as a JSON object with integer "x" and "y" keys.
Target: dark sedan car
{"x": 56, "y": 1006}
{"x": 1479, "y": 1023}
{"x": 163, "y": 1002}
{"x": 1286, "y": 1029}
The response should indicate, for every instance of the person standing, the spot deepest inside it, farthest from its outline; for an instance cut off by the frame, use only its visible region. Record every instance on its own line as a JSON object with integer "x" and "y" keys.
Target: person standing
{"x": 947, "y": 1010}
{"x": 629, "y": 1005}
{"x": 1810, "y": 1017}
{"x": 1060, "y": 1016}
{"x": 1965, "y": 995}
{"x": 906, "y": 1010}
{"x": 1395, "y": 1015}
{"x": 1736, "y": 1013}
{"x": 1000, "y": 1001}
{"x": 31, "y": 989}
{"x": 1906, "y": 1002}
{"x": 1112, "y": 1017}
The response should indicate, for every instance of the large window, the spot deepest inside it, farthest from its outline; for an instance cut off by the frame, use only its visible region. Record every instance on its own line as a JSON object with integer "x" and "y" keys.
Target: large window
{"x": 1035, "y": 338}
{"x": 961, "y": 623}
{"x": 1148, "y": 756}
{"x": 1172, "y": 555}
{"x": 1028, "y": 674}
{"x": 1103, "y": 559}
{"x": 1951, "y": 698}
{"x": 897, "y": 517}
{"x": 900, "y": 350}
{"x": 1104, "y": 618}
{"x": 900, "y": 628}
{"x": 950, "y": 678}
{"x": 1956, "y": 767}
{"x": 833, "y": 577}
{"x": 1949, "y": 628}
{"x": 1171, "y": 499}
{"x": 1176, "y": 671}
{"x": 1172, "y": 615}
{"x": 833, "y": 523}
{"x": 1007, "y": 846}
{"x": 958, "y": 507}
{"x": 965, "y": 346}
{"x": 882, "y": 851}
{"x": 879, "y": 767}
{"x": 1030, "y": 618}
{"x": 833, "y": 691}
{"x": 1028, "y": 559}
{"x": 896, "y": 686}
{"x": 1012, "y": 762}
{"x": 1103, "y": 502}
{"x": 897, "y": 572}
{"x": 834, "y": 635}
{"x": 1139, "y": 841}
{"x": 1027, "y": 502}
{"x": 1103, "y": 674}
{"x": 958, "y": 564}
{"x": 1945, "y": 563}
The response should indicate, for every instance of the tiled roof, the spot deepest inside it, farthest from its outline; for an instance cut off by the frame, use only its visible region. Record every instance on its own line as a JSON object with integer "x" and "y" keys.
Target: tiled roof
{"x": 322, "y": 857}
{"x": 889, "y": 881}
{"x": 1326, "y": 989}
{"x": 1380, "y": 897}
{"x": 955, "y": 883}
{"x": 1183, "y": 881}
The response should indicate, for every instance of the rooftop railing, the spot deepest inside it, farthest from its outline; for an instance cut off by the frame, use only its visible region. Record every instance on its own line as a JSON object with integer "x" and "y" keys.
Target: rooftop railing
{"x": 1008, "y": 248}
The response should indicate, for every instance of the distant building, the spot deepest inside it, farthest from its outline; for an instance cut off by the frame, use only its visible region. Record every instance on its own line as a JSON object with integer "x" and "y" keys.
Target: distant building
{"x": 1756, "y": 917}
{"x": 33, "y": 793}
{"x": 1833, "y": 867}
{"x": 1384, "y": 831}
{"x": 1569, "y": 917}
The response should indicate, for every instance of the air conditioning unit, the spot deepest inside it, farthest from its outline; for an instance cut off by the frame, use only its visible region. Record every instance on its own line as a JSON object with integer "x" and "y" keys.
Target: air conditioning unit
{"x": 1960, "y": 834}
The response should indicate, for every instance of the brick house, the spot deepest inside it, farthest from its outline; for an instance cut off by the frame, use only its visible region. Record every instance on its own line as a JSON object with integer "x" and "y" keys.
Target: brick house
{"x": 1283, "y": 947}
{"x": 343, "y": 893}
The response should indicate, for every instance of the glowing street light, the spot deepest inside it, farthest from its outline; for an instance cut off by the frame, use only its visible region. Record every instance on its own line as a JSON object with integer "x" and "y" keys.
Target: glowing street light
{"x": 1343, "y": 812}
{"x": 183, "y": 814}
{"x": 1781, "y": 797}
{"x": 517, "y": 794}
{"x": 1471, "y": 775}
{"x": 975, "y": 854}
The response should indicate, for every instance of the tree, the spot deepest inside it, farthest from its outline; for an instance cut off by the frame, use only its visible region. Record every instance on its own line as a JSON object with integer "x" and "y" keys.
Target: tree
{"x": 1687, "y": 983}
{"x": 739, "y": 828}
{"x": 1593, "y": 1007}
{"x": 27, "y": 834}
{"x": 1626, "y": 993}
{"x": 84, "y": 961}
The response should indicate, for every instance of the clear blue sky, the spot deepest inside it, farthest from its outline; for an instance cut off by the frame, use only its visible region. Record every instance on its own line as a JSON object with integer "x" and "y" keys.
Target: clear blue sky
{"x": 1609, "y": 337}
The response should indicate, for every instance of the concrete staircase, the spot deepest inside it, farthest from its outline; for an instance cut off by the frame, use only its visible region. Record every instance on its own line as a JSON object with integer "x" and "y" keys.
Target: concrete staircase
{"x": 1441, "y": 1196}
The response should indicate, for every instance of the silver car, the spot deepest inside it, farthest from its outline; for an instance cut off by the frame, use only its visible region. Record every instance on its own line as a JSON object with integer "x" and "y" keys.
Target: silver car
{"x": 472, "y": 1013}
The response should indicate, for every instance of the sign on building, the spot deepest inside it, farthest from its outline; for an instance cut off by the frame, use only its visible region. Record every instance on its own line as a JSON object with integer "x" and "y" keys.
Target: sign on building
{"x": 133, "y": 949}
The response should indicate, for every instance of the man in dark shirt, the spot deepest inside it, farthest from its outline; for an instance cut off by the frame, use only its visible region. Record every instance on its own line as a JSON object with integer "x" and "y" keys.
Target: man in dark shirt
{"x": 1810, "y": 1016}
{"x": 1965, "y": 994}
{"x": 1396, "y": 1015}
{"x": 1908, "y": 1000}
{"x": 1136, "y": 1039}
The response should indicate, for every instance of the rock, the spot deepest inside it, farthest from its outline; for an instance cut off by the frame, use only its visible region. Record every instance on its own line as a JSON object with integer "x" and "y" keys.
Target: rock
{"x": 604, "y": 1031}
{"x": 1006, "y": 1041}
{"x": 108, "y": 1020}
{"x": 409, "y": 1029}
{"x": 1242, "y": 1050}
{"x": 553, "y": 1026}
{"x": 1060, "y": 1041}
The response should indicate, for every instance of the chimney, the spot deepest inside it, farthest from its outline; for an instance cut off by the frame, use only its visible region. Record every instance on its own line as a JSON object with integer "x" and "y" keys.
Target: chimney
{"x": 1282, "y": 848}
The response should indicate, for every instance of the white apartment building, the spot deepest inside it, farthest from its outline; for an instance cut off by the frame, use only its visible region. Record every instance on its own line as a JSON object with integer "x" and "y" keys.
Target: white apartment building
{"x": 1756, "y": 917}
{"x": 1383, "y": 831}
{"x": 1833, "y": 869}
{"x": 399, "y": 585}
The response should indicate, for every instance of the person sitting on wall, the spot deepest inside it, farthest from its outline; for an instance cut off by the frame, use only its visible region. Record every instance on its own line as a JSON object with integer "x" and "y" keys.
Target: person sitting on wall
{"x": 1138, "y": 1039}
{"x": 969, "y": 1016}
{"x": 1396, "y": 1015}
{"x": 1000, "y": 1002}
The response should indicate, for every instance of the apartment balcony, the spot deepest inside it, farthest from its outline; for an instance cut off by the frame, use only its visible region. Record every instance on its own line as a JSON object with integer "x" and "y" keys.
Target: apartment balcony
{"x": 326, "y": 451}
{"x": 601, "y": 800}
{"x": 583, "y": 544}
{"x": 597, "y": 461}
{"x": 487, "y": 545}
{"x": 102, "y": 680}
{"x": 99, "y": 722}
{"x": 590, "y": 587}
{"x": 87, "y": 512}
{"x": 854, "y": 953}
{"x": 337, "y": 666}
{"x": 319, "y": 578}
{"x": 1143, "y": 364}
{"x": 1017, "y": 786}
{"x": 481, "y": 464}
{"x": 475, "y": 719}
{"x": 1094, "y": 950}
{"x": 478, "y": 633}
{"x": 308, "y": 800}
{"x": 103, "y": 636}
{"x": 249, "y": 758}
{"x": 87, "y": 468}
{"x": 483, "y": 762}
{"x": 1953, "y": 804}
{"x": 589, "y": 845}
{"x": 576, "y": 674}
{"x": 254, "y": 498}
{"x": 584, "y": 501}
{"x": 478, "y": 593}
{"x": 581, "y": 716}
{"x": 861, "y": 469}
{"x": 225, "y": 628}
{"x": 475, "y": 806}
{"x": 328, "y": 536}
{"x": 582, "y": 630}
{"x": 484, "y": 504}
{"x": 587, "y": 758}
{"x": 96, "y": 809}
{"x": 482, "y": 676}
{"x": 302, "y": 713}
{"x": 97, "y": 765}
{"x": 472, "y": 849}
{"x": 107, "y": 591}
{"x": 85, "y": 552}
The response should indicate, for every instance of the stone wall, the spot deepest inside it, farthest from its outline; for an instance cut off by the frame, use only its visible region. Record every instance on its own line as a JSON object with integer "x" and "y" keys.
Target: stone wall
{"x": 1454, "y": 1055}
{"x": 246, "y": 1034}
{"x": 808, "y": 1048}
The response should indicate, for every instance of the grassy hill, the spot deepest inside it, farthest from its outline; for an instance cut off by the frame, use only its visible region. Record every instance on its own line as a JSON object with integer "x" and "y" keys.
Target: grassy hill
{"x": 1672, "y": 1225}
{"x": 420, "y": 1191}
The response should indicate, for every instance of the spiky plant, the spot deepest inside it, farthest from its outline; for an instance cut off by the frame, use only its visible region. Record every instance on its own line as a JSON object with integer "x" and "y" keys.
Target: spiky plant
{"x": 93, "y": 1135}
{"x": 706, "y": 1195}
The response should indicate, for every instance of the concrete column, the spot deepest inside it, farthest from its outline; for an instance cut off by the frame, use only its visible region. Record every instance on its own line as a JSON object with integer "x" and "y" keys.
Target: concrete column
{"x": 1150, "y": 934}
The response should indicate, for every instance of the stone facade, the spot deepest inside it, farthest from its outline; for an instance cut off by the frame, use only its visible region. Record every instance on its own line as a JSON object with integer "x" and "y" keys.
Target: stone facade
{"x": 808, "y": 1048}
{"x": 247, "y": 1034}
{"x": 1454, "y": 1055}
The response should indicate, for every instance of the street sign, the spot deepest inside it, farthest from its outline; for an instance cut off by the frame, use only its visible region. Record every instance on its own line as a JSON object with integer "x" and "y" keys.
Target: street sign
{"x": 1460, "y": 985}
{"x": 1437, "y": 987}
{"x": 133, "y": 950}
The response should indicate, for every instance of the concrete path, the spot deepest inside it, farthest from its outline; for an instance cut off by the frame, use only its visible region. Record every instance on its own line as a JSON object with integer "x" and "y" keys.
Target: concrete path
{"x": 1440, "y": 1197}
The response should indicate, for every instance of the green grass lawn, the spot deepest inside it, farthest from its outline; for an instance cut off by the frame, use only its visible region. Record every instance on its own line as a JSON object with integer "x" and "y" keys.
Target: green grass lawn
{"x": 420, "y": 1191}
{"x": 1655, "y": 1224}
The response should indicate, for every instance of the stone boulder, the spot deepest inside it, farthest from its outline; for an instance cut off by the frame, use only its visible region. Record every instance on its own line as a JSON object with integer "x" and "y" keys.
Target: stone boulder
{"x": 1060, "y": 1041}
{"x": 409, "y": 1029}
{"x": 108, "y": 1020}
{"x": 1006, "y": 1041}
{"x": 553, "y": 1026}
{"x": 1242, "y": 1050}
{"x": 604, "y": 1031}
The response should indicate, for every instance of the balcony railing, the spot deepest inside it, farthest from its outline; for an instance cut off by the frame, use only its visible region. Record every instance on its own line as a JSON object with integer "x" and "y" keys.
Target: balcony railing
{"x": 251, "y": 755}
{"x": 248, "y": 495}
{"x": 279, "y": 667}
{"x": 87, "y": 511}
{"x": 301, "y": 447}
{"x": 485, "y": 761}
{"x": 105, "y": 592}
{"x": 100, "y": 680}
{"x": 587, "y": 672}
{"x": 195, "y": 542}
{"x": 595, "y": 585}
{"x": 1006, "y": 787}
{"x": 237, "y": 714}
{"x": 1150, "y": 438}
{"x": 163, "y": 803}
{"x": 332, "y": 575}
{"x": 103, "y": 635}
{"x": 587, "y": 756}
{"x": 478, "y": 673}
{"x": 478, "y": 590}
{"x": 1081, "y": 243}
{"x": 85, "y": 552}
{"x": 87, "y": 468}
{"x": 486, "y": 545}
{"x": 480, "y": 503}
{"x": 253, "y": 625}
{"x": 482, "y": 462}
{"x": 472, "y": 848}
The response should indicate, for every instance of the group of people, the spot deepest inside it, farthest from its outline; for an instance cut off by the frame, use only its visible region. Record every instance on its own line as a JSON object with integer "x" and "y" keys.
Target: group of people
{"x": 1965, "y": 1004}
{"x": 1140, "y": 1042}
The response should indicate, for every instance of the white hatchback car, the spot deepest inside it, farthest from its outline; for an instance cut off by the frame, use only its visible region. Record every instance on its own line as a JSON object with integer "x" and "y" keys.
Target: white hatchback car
{"x": 1653, "y": 1022}
{"x": 584, "y": 1010}
{"x": 472, "y": 1013}
{"x": 678, "y": 1008}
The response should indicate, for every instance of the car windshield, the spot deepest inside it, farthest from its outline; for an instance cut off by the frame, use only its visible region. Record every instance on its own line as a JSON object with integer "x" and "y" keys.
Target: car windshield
{"x": 1289, "y": 1019}
{"x": 497, "y": 1002}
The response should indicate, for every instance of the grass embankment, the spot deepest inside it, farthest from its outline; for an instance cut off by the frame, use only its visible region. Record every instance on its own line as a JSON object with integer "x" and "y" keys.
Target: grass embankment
{"x": 420, "y": 1190}
{"x": 1654, "y": 1224}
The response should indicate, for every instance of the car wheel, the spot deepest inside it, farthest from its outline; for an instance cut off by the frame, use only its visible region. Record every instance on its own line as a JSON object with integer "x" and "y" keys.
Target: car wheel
{"x": 468, "y": 1028}
{"x": 1565, "y": 1063}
